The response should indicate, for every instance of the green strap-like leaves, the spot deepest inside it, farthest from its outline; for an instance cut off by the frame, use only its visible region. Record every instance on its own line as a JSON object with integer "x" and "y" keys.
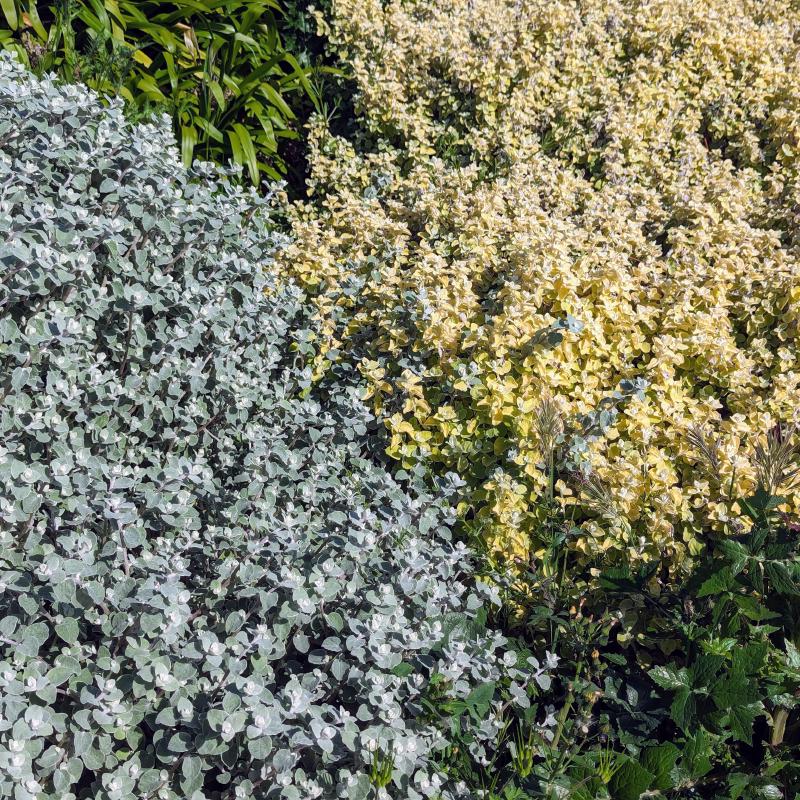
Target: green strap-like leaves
{"x": 218, "y": 66}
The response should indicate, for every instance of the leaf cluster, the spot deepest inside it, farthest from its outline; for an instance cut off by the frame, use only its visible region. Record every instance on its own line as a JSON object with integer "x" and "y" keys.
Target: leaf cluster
{"x": 217, "y": 67}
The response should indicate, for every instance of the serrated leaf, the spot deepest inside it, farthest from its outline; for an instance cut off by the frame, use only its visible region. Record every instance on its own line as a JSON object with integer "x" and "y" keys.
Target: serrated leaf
{"x": 719, "y": 582}
{"x": 734, "y": 690}
{"x": 669, "y": 677}
{"x": 792, "y": 654}
{"x": 630, "y": 781}
{"x": 741, "y": 719}
{"x": 736, "y": 553}
{"x": 752, "y": 609}
{"x": 781, "y": 579}
{"x": 683, "y": 709}
{"x": 660, "y": 761}
{"x": 749, "y": 659}
{"x": 705, "y": 669}
{"x": 695, "y": 759}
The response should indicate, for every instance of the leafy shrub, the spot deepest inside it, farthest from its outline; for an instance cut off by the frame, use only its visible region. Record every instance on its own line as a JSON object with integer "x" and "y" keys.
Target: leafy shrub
{"x": 587, "y": 204}
{"x": 218, "y": 67}
{"x": 660, "y": 690}
{"x": 734, "y": 672}
{"x": 669, "y": 690}
{"x": 707, "y": 697}
{"x": 207, "y": 588}
{"x": 561, "y": 246}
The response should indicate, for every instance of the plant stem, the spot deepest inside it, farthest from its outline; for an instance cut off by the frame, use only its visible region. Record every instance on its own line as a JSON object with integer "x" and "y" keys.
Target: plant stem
{"x": 565, "y": 709}
{"x": 779, "y": 719}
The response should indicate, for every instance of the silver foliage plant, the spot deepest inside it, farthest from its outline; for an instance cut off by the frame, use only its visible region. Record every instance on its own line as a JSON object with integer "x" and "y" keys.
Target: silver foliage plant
{"x": 206, "y": 589}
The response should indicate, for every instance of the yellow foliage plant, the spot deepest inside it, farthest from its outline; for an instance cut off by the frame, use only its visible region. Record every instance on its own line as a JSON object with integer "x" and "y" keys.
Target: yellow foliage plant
{"x": 587, "y": 206}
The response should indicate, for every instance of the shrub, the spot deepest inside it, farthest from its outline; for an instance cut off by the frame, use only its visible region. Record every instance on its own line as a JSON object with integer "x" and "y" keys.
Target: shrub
{"x": 706, "y": 697}
{"x": 663, "y": 690}
{"x": 591, "y": 206}
{"x": 218, "y": 68}
{"x": 207, "y": 588}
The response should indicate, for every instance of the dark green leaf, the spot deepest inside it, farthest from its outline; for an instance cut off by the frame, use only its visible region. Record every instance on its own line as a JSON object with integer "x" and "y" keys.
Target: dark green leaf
{"x": 630, "y": 781}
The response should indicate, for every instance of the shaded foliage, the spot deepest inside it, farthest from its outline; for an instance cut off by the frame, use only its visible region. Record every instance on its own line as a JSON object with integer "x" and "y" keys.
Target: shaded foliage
{"x": 218, "y": 67}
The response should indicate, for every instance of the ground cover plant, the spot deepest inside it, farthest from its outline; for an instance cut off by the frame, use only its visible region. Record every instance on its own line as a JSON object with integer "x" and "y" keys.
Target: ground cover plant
{"x": 208, "y": 586}
{"x": 585, "y": 204}
{"x": 673, "y": 690}
{"x": 219, "y": 68}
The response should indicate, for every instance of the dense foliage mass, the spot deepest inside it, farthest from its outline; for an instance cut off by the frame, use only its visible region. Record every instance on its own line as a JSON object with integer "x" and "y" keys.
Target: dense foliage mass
{"x": 557, "y": 241}
{"x": 207, "y": 588}
{"x": 218, "y": 67}
{"x": 567, "y": 238}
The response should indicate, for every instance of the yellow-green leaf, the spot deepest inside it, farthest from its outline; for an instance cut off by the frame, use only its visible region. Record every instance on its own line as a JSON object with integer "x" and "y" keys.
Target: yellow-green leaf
{"x": 188, "y": 142}
{"x": 248, "y": 150}
{"x": 10, "y": 12}
{"x": 142, "y": 58}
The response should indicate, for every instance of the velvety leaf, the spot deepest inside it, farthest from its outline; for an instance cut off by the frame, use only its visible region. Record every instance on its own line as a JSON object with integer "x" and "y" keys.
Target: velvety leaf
{"x": 68, "y": 630}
